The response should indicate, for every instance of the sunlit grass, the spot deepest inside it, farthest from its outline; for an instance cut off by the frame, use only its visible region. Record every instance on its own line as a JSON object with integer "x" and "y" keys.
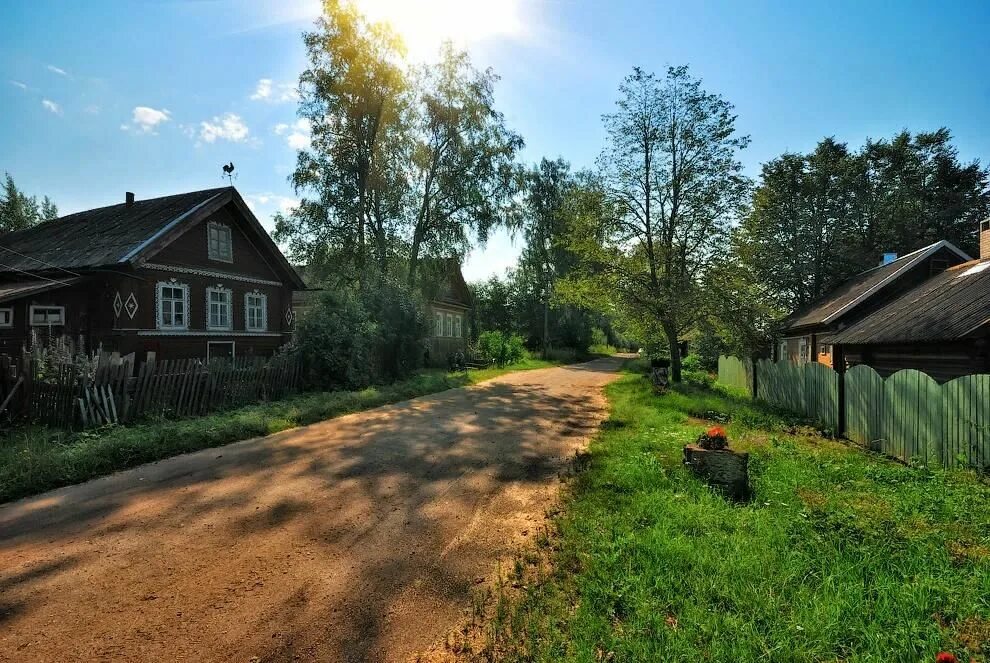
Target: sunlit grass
{"x": 842, "y": 555}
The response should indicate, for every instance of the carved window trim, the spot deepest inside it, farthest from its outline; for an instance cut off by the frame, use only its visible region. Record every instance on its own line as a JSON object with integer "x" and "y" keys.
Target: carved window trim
{"x": 159, "y": 305}
{"x": 262, "y": 304}
{"x": 229, "y": 297}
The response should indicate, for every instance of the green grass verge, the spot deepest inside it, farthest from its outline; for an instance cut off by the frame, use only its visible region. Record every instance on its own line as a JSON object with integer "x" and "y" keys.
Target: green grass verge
{"x": 842, "y": 555}
{"x": 33, "y": 460}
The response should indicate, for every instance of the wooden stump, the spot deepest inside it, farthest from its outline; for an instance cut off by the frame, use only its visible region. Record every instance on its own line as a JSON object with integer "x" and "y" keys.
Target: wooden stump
{"x": 726, "y": 470}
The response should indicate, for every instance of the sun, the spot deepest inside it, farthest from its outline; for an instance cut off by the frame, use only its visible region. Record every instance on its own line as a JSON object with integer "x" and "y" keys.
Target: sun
{"x": 425, "y": 24}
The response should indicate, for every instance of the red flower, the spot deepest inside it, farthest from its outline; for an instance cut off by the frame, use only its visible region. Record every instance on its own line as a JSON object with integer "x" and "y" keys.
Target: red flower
{"x": 715, "y": 431}
{"x": 945, "y": 657}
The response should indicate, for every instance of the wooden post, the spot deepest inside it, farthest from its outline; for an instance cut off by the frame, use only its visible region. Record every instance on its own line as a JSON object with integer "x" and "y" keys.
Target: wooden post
{"x": 839, "y": 366}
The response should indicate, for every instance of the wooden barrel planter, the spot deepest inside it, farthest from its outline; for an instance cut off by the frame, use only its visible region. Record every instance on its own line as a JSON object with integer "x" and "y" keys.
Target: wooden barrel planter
{"x": 720, "y": 467}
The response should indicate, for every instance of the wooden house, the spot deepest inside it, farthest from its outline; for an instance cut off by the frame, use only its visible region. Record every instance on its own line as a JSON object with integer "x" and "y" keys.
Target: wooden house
{"x": 189, "y": 275}
{"x": 448, "y": 302}
{"x": 808, "y": 334}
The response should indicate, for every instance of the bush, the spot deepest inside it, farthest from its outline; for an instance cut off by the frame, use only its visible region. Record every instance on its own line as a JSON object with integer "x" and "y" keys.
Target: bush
{"x": 350, "y": 340}
{"x": 503, "y": 349}
{"x": 691, "y": 363}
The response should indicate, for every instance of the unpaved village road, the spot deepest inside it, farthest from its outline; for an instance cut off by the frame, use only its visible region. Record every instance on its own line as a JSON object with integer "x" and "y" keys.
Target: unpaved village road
{"x": 355, "y": 539}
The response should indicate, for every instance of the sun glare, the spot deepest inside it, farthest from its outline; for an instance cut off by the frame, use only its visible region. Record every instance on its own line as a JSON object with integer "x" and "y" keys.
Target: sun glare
{"x": 425, "y": 24}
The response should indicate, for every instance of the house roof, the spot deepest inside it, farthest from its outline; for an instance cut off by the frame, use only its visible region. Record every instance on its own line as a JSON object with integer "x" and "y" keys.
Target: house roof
{"x": 443, "y": 282}
{"x": 862, "y": 287}
{"x": 122, "y": 234}
{"x": 11, "y": 291}
{"x": 948, "y": 306}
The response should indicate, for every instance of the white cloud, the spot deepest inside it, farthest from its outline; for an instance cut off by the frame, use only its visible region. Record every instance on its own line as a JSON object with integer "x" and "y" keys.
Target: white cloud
{"x": 145, "y": 120}
{"x": 51, "y": 106}
{"x": 19, "y": 84}
{"x": 297, "y": 134}
{"x": 56, "y": 70}
{"x": 227, "y": 126}
{"x": 274, "y": 93}
{"x": 264, "y": 202}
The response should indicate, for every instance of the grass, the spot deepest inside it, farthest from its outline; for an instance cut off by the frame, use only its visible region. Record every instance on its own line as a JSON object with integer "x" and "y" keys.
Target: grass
{"x": 34, "y": 459}
{"x": 842, "y": 555}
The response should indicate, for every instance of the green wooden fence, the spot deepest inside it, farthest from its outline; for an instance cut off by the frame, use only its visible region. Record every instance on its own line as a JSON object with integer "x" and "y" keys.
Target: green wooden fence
{"x": 737, "y": 373}
{"x": 908, "y": 415}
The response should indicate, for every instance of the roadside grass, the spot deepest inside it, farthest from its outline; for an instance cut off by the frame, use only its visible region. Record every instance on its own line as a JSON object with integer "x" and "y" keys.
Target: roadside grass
{"x": 842, "y": 555}
{"x": 36, "y": 459}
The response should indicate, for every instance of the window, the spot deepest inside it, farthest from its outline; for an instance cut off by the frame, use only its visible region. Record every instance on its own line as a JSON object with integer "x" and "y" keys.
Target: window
{"x": 219, "y": 242}
{"x": 457, "y": 326}
{"x": 6, "y": 317}
{"x": 47, "y": 315}
{"x": 218, "y": 308}
{"x": 782, "y": 351}
{"x": 255, "y": 311}
{"x": 173, "y": 305}
{"x": 219, "y": 350}
{"x": 803, "y": 349}
{"x": 448, "y": 325}
{"x": 439, "y": 324}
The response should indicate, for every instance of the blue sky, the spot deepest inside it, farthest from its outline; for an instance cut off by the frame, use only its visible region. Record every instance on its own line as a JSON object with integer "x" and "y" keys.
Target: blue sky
{"x": 98, "y": 98}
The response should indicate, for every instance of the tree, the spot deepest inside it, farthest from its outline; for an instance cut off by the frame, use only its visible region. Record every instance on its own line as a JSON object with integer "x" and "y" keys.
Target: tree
{"x": 462, "y": 164}
{"x": 819, "y": 218}
{"x": 19, "y": 211}
{"x": 671, "y": 183}
{"x": 356, "y": 98}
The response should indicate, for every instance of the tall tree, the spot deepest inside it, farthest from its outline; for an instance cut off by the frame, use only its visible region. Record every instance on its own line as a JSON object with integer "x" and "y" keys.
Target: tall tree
{"x": 463, "y": 173}
{"x": 671, "y": 174}
{"x": 19, "y": 211}
{"x": 356, "y": 98}
{"x": 816, "y": 219}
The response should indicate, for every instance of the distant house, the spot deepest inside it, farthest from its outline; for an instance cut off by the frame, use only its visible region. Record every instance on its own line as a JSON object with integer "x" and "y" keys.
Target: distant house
{"x": 810, "y": 333}
{"x": 448, "y": 301}
{"x": 941, "y": 326}
{"x": 189, "y": 275}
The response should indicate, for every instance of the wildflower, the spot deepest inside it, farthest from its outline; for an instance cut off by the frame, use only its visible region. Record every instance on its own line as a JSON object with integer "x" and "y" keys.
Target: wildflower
{"x": 945, "y": 657}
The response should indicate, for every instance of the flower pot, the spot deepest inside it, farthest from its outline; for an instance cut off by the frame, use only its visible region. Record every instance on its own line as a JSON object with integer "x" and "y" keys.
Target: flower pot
{"x": 724, "y": 469}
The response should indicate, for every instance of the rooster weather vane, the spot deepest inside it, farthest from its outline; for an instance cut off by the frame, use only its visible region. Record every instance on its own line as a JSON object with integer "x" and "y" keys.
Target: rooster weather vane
{"x": 228, "y": 172}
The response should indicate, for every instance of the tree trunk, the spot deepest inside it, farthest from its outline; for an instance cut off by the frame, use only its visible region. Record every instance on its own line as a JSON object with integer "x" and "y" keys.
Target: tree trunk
{"x": 675, "y": 351}
{"x": 414, "y": 259}
{"x": 546, "y": 328}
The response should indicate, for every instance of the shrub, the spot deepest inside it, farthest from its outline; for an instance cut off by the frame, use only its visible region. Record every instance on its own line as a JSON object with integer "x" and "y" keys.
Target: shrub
{"x": 503, "y": 349}
{"x": 349, "y": 340}
{"x": 691, "y": 363}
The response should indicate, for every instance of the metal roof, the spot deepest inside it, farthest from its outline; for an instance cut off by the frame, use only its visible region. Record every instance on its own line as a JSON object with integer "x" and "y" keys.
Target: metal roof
{"x": 947, "y": 306}
{"x": 11, "y": 291}
{"x": 861, "y": 287}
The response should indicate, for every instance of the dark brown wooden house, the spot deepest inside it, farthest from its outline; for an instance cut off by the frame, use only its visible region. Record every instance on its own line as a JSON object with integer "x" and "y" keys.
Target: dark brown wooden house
{"x": 189, "y": 275}
{"x": 448, "y": 302}
{"x": 809, "y": 333}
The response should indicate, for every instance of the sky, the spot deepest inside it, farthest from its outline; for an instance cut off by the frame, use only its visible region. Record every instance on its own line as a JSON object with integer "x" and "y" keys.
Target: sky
{"x": 99, "y": 98}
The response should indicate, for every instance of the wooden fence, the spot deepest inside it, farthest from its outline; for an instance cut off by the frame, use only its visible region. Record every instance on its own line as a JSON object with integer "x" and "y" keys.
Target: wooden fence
{"x": 111, "y": 392}
{"x": 907, "y": 415}
{"x": 736, "y": 373}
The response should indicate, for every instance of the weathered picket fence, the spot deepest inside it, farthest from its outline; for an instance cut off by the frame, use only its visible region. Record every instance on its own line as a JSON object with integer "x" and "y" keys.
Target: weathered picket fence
{"x": 111, "y": 392}
{"x": 907, "y": 415}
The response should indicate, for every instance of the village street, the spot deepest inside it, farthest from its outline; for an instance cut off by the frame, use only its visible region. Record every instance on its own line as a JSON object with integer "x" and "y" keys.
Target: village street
{"x": 358, "y": 538}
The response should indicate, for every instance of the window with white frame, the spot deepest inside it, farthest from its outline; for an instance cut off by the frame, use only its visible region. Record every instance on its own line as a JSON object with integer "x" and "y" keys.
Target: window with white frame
{"x": 439, "y": 324}
{"x": 218, "y": 308}
{"x": 448, "y": 325}
{"x": 782, "y": 351}
{"x": 804, "y": 349}
{"x": 457, "y": 326}
{"x": 47, "y": 316}
{"x": 255, "y": 312}
{"x": 173, "y": 305}
{"x": 219, "y": 242}
{"x": 6, "y": 317}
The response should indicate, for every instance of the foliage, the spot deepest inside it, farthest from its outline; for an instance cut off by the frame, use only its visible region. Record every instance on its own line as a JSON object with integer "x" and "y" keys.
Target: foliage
{"x": 693, "y": 363}
{"x": 819, "y": 218}
{"x": 503, "y": 349}
{"x": 352, "y": 339}
{"x": 19, "y": 211}
{"x": 670, "y": 184}
{"x": 842, "y": 555}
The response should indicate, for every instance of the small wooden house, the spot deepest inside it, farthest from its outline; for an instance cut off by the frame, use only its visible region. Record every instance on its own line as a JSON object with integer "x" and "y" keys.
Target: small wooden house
{"x": 448, "y": 302}
{"x": 808, "y": 334}
{"x": 189, "y": 275}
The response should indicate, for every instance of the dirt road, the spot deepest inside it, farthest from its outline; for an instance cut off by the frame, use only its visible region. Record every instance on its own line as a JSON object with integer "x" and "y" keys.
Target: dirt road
{"x": 355, "y": 539}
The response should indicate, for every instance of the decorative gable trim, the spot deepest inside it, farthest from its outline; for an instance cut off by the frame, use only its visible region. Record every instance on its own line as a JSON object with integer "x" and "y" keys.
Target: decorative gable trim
{"x": 209, "y": 274}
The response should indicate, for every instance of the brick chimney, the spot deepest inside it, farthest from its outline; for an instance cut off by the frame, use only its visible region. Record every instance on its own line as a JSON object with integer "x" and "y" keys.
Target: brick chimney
{"x": 129, "y": 199}
{"x": 984, "y": 239}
